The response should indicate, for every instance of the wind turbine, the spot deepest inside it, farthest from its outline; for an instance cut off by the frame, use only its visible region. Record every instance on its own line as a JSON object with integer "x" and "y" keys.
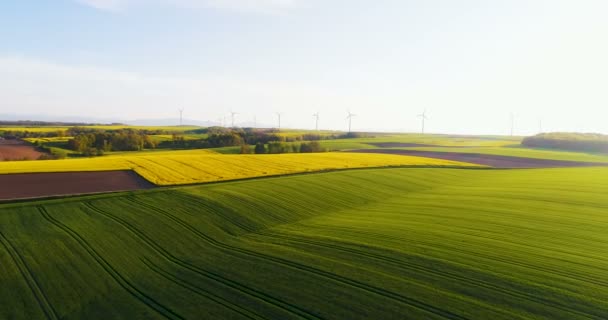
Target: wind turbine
{"x": 350, "y": 119}
{"x": 181, "y": 114}
{"x": 512, "y": 124}
{"x": 423, "y": 117}
{"x": 316, "y": 115}
{"x": 232, "y": 114}
{"x": 540, "y": 125}
{"x": 279, "y": 116}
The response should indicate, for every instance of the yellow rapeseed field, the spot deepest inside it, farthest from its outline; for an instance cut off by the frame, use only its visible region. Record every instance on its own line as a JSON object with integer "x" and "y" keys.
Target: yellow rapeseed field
{"x": 173, "y": 168}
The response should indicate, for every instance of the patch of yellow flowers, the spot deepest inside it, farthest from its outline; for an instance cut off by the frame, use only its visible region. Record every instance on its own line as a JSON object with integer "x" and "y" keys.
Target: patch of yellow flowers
{"x": 198, "y": 166}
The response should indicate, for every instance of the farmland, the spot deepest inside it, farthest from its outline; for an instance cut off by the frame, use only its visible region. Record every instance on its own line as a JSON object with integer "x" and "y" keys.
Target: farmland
{"x": 198, "y": 166}
{"x": 251, "y": 236}
{"x": 412, "y": 243}
{"x": 17, "y": 150}
{"x": 522, "y": 152}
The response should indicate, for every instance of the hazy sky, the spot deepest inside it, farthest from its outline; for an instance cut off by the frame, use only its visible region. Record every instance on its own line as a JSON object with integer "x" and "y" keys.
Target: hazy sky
{"x": 469, "y": 63}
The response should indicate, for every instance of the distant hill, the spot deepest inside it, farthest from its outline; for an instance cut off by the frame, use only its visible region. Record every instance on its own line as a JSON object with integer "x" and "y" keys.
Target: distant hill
{"x": 30, "y": 123}
{"x": 170, "y": 122}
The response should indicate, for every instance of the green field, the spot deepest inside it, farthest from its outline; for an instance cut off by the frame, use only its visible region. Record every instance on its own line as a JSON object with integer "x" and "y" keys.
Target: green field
{"x": 361, "y": 244}
{"x": 505, "y": 146}
{"x": 523, "y": 152}
{"x": 430, "y": 139}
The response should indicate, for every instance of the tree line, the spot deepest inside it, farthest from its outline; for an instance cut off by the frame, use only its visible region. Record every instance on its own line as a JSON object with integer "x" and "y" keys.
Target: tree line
{"x": 589, "y": 142}
{"x": 276, "y": 147}
{"x": 96, "y": 143}
{"x": 91, "y": 141}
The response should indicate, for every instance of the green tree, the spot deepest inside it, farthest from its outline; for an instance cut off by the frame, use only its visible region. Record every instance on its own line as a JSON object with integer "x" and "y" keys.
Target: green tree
{"x": 245, "y": 149}
{"x": 260, "y": 148}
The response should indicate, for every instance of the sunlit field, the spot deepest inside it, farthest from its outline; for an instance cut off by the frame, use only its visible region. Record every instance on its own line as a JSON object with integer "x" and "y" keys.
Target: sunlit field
{"x": 198, "y": 166}
{"x": 365, "y": 244}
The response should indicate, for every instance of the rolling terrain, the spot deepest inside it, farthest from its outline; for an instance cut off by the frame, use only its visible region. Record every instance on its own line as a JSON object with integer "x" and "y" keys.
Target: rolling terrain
{"x": 409, "y": 243}
{"x": 518, "y": 152}
{"x": 199, "y": 166}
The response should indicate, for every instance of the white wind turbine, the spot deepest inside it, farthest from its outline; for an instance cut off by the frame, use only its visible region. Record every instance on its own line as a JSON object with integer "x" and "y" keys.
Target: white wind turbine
{"x": 316, "y": 116}
{"x": 350, "y": 119}
{"x": 423, "y": 117}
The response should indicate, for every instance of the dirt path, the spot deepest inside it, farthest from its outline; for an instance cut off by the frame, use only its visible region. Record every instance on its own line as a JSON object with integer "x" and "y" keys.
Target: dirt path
{"x": 491, "y": 160}
{"x": 36, "y": 185}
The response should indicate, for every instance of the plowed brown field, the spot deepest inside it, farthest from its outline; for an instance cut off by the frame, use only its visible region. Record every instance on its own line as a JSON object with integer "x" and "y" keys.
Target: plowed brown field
{"x": 17, "y": 150}
{"x": 36, "y": 185}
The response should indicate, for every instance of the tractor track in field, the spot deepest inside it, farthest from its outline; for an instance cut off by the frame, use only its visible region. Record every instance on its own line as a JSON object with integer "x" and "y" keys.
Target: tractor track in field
{"x": 295, "y": 310}
{"x": 332, "y": 276}
{"x": 451, "y": 249}
{"x": 28, "y": 276}
{"x": 419, "y": 268}
{"x": 563, "y": 274}
{"x": 120, "y": 279}
{"x": 200, "y": 291}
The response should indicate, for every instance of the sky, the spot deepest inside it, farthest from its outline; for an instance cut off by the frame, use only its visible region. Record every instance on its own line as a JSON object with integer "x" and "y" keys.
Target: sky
{"x": 470, "y": 64}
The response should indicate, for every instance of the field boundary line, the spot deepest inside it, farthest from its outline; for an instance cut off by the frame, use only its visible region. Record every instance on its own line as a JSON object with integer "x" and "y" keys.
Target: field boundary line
{"x": 160, "y": 188}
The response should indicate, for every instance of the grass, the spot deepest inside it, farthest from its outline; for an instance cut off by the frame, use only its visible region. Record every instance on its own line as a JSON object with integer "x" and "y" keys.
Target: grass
{"x": 198, "y": 166}
{"x": 517, "y": 151}
{"x": 438, "y": 140}
{"x": 365, "y": 244}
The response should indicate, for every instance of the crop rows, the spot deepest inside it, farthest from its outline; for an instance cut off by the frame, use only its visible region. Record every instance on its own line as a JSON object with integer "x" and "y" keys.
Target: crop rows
{"x": 391, "y": 243}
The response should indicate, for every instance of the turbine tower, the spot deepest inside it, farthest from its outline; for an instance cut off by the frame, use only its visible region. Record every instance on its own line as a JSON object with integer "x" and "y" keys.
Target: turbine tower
{"x": 512, "y": 124}
{"x": 232, "y": 114}
{"x": 540, "y": 125}
{"x": 279, "y": 117}
{"x": 316, "y": 115}
{"x": 350, "y": 120}
{"x": 423, "y": 117}
{"x": 181, "y": 114}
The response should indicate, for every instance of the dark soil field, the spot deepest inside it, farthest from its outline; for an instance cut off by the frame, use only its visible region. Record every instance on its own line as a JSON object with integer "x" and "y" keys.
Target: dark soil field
{"x": 36, "y": 185}
{"x": 495, "y": 161}
{"x": 17, "y": 150}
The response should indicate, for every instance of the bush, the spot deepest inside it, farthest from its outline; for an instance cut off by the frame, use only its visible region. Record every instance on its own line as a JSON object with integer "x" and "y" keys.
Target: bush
{"x": 245, "y": 149}
{"x": 309, "y": 147}
{"x": 281, "y": 147}
{"x": 260, "y": 148}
